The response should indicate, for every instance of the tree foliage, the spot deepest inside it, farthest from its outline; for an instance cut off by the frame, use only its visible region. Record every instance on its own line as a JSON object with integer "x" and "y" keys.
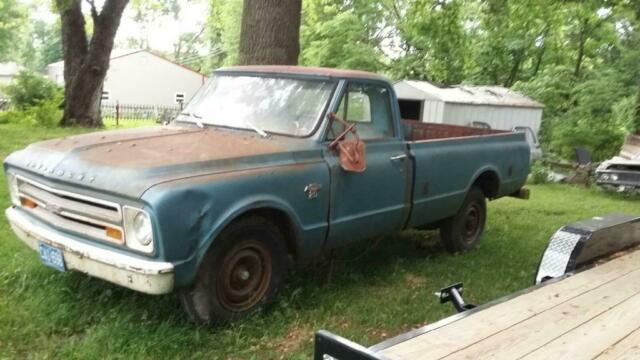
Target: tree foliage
{"x": 13, "y": 22}
{"x": 343, "y": 34}
{"x": 437, "y": 45}
{"x": 43, "y": 45}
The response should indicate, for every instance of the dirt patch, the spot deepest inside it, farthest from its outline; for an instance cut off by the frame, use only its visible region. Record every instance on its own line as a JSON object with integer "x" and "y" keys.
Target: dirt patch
{"x": 414, "y": 281}
{"x": 297, "y": 336}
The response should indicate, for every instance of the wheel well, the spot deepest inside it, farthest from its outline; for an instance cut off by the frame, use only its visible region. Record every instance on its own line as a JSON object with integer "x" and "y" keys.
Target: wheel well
{"x": 282, "y": 220}
{"x": 489, "y": 182}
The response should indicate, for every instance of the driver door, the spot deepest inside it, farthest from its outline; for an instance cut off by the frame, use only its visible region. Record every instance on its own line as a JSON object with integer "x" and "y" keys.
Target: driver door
{"x": 377, "y": 200}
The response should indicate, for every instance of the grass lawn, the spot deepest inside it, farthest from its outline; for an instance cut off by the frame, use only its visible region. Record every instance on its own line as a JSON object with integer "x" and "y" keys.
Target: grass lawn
{"x": 373, "y": 295}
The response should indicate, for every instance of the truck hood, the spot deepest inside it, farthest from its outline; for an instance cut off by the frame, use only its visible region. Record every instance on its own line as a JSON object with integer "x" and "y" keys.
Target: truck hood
{"x": 128, "y": 162}
{"x": 629, "y": 154}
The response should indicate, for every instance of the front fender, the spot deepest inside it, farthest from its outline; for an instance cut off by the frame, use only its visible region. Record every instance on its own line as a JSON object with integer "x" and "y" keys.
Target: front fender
{"x": 191, "y": 213}
{"x": 243, "y": 206}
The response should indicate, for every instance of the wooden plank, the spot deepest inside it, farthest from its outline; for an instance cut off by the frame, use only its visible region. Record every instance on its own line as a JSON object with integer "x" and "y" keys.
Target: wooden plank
{"x": 593, "y": 337}
{"x": 478, "y": 326}
{"x": 627, "y": 348}
{"x": 533, "y": 333}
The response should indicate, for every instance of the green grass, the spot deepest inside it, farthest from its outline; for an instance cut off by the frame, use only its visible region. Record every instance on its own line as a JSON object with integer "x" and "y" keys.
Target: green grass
{"x": 387, "y": 290}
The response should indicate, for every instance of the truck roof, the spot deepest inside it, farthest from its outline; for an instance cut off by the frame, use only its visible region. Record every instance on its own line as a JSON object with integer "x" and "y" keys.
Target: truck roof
{"x": 304, "y": 70}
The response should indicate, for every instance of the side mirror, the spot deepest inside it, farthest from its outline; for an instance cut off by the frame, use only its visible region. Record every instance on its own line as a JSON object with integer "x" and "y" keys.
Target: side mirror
{"x": 351, "y": 152}
{"x": 352, "y": 155}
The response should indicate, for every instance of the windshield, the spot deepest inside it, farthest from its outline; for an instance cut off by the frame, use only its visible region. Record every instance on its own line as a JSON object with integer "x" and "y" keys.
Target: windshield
{"x": 260, "y": 104}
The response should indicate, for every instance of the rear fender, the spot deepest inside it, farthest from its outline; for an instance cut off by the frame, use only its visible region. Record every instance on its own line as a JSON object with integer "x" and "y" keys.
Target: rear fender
{"x": 480, "y": 172}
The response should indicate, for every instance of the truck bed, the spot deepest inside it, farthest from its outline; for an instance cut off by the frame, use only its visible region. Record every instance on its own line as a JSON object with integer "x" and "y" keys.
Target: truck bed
{"x": 420, "y": 131}
{"x": 448, "y": 157}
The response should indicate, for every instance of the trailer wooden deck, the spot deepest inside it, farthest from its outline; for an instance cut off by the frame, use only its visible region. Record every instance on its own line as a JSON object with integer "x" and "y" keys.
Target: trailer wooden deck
{"x": 594, "y": 314}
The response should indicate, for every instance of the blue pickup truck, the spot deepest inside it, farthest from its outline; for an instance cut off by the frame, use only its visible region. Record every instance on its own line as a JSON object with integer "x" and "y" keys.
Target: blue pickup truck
{"x": 267, "y": 166}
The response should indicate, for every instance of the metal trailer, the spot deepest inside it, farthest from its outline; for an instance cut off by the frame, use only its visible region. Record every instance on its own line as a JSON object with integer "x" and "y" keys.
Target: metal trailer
{"x": 585, "y": 303}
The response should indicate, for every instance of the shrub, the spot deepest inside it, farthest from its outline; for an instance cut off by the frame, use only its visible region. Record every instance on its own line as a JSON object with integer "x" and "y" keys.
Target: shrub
{"x": 14, "y": 116}
{"x": 34, "y": 99}
{"x": 624, "y": 113}
{"x": 30, "y": 89}
{"x": 45, "y": 114}
{"x": 539, "y": 173}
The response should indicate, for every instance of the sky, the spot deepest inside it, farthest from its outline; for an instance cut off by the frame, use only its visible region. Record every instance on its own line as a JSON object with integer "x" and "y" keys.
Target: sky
{"x": 162, "y": 33}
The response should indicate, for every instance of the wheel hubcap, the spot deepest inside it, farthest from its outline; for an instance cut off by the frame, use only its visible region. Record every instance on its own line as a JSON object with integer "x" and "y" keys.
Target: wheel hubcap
{"x": 472, "y": 222}
{"x": 244, "y": 276}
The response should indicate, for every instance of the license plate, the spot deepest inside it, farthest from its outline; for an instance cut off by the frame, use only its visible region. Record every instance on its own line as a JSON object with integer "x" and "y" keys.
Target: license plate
{"x": 51, "y": 256}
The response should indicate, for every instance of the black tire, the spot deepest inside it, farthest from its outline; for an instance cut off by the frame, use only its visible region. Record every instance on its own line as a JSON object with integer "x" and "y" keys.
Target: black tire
{"x": 463, "y": 231}
{"x": 241, "y": 273}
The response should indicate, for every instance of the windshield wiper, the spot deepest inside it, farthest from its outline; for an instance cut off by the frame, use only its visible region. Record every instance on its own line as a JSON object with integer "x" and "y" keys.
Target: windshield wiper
{"x": 256, "y": 129}
{"x": 195, "y": 116}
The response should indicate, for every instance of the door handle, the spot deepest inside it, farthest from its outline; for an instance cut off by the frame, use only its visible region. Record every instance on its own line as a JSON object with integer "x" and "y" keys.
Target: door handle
{"x": 398, "y": 157}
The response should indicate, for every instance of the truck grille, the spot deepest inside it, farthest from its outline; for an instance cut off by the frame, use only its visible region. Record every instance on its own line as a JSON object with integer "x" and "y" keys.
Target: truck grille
{"x": 77, "y": 213}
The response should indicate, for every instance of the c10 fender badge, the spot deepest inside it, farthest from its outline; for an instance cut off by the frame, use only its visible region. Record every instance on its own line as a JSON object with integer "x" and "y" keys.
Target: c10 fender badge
{"x": 312, "y": 190}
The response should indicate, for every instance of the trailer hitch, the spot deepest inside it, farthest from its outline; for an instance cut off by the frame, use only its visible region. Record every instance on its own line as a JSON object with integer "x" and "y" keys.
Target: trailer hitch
{"x": 453, "y": 293}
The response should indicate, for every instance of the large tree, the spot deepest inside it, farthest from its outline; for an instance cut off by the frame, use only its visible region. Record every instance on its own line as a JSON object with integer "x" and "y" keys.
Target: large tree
{"x": 86, "y": 61}
{"x": 270, "y": 32}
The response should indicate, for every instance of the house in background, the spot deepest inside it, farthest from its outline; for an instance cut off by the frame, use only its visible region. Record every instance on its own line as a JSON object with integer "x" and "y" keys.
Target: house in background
{"x": 8, "y": 71}
{"x": 142, "y": 77}
{"x": 486, "y": 106}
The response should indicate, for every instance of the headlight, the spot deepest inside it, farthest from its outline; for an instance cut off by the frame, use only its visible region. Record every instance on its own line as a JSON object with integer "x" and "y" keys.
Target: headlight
{"x": 614, "y": 177}
{"x": 138, "y": 229}
{"x": 13, "y": 188}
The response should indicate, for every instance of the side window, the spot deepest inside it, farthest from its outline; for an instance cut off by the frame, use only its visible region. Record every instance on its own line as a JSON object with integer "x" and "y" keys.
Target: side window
{"x": 358, "y": 109}
{"x": 369, "y": 107}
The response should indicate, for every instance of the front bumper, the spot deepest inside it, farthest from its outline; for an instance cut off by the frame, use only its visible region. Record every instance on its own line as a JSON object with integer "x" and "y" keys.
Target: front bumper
{"x": 147, "y": 276}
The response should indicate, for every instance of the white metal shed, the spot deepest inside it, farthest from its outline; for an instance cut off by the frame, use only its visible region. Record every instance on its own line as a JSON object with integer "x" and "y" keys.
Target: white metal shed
{"x": 467, "y": 105}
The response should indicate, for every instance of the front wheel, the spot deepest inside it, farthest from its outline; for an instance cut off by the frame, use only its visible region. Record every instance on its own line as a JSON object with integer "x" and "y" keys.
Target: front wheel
{"x": 463, "y": 231}
{"x": 242, "y": 272}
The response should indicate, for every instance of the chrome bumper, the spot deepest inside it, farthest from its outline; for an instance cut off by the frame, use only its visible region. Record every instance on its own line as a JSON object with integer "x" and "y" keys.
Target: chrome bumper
{"x": 147, "y": 276}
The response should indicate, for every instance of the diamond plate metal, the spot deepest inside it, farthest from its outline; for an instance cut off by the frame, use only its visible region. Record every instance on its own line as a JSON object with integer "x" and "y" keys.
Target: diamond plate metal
{"x": 556, "y": 258}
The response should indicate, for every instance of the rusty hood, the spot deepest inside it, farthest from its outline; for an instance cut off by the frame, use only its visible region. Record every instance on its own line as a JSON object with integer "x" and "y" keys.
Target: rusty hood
{"x": 127, "y": 162}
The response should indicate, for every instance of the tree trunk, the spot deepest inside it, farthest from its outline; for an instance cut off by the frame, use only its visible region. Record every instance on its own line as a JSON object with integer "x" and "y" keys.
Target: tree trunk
{"x": 541, "y": 51}
{"x": 581, "y": 43}
{"x": 86, "y": 63}
{"x": 513, "y": 74}
{"x": 270, "y": 32}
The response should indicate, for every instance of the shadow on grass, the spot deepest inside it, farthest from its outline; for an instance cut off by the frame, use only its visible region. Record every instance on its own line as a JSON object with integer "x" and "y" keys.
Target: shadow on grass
{"x": 365, "y": 262}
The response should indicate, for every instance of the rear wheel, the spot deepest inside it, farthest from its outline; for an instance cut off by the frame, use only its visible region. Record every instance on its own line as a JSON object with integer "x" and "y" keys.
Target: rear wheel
{"x": 242, "y": 272}
{"x": 463, "y": 231}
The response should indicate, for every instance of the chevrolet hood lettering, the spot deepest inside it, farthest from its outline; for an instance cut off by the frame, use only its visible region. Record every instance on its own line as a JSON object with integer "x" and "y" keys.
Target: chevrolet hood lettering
{"x": 128, "y": 162}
